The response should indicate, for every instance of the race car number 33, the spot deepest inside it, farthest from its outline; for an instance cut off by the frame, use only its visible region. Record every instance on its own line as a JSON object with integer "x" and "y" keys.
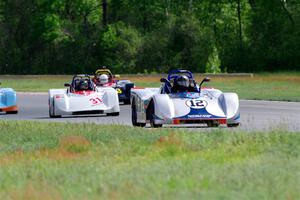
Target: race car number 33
{"x": 196, "y": 103}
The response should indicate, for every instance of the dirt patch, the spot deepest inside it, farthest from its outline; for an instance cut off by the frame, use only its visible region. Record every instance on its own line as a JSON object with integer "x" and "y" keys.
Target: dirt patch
{"x": 34, "y": 192}
{"x": 168, "y": 140}
{"x": 70, "y": 147}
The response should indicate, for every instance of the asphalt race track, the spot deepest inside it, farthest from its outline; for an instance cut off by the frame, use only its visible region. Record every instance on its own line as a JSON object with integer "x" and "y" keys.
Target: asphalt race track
{"x": 255, "y": 115}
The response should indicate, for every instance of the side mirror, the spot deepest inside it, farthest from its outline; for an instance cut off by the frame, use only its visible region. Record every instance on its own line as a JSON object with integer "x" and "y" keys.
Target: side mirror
{"x": 206, "y": 79}
{"x": 67, "y": 85}
{"x": 117, "y": 76}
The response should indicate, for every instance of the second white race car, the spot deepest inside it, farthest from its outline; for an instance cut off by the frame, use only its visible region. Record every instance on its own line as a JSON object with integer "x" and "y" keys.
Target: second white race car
{"x": 82, "y": 97}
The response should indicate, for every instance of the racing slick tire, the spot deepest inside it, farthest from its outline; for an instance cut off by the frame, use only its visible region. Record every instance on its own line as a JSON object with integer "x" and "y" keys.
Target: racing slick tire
{"x": 233, "y": 125}
{"x": 113, "y": 114}
{"x": 52, "y": 111}
{"x": 151, "y": 116}
{"x": 12, "y": 112}
{"x": 126, "y": 101}
{"x": 134, "y": 116}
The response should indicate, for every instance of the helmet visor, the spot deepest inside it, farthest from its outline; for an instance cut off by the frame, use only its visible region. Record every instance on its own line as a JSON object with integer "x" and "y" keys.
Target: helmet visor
{"x": 183, "y": 83}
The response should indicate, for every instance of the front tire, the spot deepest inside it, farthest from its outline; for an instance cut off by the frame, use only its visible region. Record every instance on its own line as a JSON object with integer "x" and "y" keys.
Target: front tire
{"x": 127, "y": 101}
{"x": 134, "y": 116}
{"x": 52, "y": 110}
{"x": 12, "y": 112}
{"x": 233, "y": 125}
{"x": 151, "y": 116}
{"x": 113, "y": 114}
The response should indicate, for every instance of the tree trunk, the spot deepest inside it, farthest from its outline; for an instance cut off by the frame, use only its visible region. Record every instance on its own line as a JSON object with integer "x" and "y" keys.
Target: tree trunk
{"x": 104, "y": 13}
{"x": 283, "y": 5}
{"x": 240, "y": 21}
{"x": 191, "y": 5}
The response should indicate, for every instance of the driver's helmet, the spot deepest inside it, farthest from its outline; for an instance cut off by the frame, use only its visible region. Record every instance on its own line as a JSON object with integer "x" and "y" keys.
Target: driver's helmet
{"x": 83, "y": 85}
{"x": 182, "y": 82}
{"x": 103, "y": 79}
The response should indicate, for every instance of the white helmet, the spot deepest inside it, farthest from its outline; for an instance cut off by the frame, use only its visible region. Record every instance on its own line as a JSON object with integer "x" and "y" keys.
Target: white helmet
{"x": 103, "y": 79}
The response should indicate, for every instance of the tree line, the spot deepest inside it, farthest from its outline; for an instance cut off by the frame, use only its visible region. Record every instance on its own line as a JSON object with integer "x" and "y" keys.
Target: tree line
{"x": 143, "y": 36}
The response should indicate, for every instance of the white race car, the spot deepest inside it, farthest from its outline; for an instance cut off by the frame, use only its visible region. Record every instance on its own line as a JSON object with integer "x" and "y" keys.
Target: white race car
{"x": 83, "y": 97}
{"x": 181, "y": 101}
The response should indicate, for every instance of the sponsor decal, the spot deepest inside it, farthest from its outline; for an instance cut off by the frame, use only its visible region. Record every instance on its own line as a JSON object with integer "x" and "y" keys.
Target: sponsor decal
{"x": 59, "y": 96}
{"x": 199, "y": 116}
{"x": 196, "y": 103}
{"x": 119, "y": 91}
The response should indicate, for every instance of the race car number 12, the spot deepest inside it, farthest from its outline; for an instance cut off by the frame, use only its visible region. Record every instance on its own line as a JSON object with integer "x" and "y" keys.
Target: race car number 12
{"x": 196, "y": 103}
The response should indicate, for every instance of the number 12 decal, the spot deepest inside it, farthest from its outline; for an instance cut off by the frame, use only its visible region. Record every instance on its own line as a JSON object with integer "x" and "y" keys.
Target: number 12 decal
{"x": 196, "y": 103}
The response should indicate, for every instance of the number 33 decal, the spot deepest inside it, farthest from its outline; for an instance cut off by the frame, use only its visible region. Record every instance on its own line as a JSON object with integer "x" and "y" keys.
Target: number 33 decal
{"x": 95, "y": 101}
{"x": 196, "y": 103}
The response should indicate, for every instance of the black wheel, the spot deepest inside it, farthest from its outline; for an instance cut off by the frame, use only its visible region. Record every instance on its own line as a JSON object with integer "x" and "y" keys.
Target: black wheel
{"x": 151, "y": 116}
{"x": 12, "y": 112}
{"x": 134, "y": 116}
{"x": 52, "y": 112}
{"x": 127, "y": 101}
{"x": 212, "y": 124}
{"x": 233, "y": 125}
{"x": 113, "y": 114}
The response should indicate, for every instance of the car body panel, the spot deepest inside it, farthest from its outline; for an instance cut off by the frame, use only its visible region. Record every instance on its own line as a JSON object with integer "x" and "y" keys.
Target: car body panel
{"x": 8, "y": 100}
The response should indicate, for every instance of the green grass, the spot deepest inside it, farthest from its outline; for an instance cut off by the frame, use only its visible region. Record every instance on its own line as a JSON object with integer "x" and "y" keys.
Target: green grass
{"x": 265, "y": 86}
{"x": 84, "y": 161}
{"x": 34, "y": 83}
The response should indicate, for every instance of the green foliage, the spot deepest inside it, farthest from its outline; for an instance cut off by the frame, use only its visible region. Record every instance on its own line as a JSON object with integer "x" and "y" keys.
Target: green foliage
{"x": 41, "y": 36}
{"x": 214, "y": 63}
{"x": 121, "y": 45}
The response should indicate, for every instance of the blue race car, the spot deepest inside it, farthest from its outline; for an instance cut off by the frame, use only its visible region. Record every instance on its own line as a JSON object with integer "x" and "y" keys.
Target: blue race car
{"x": 8, "y": 101}
{"x": 180, "y": 100}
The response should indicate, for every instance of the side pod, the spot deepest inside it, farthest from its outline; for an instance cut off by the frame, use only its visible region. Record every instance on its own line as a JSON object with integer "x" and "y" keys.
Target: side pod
{"x": 164, "y": 106}
{"x": 231, "y": 106}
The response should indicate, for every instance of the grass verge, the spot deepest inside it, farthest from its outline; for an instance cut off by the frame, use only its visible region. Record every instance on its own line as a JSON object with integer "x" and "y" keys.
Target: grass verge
{"x": 267, "y": 86}
{"x": 84, "y": 161}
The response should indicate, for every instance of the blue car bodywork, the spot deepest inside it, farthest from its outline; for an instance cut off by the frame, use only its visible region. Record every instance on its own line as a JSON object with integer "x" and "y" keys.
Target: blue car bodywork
{"x": 123, "y": 88}
{"x": 8, "y": 101}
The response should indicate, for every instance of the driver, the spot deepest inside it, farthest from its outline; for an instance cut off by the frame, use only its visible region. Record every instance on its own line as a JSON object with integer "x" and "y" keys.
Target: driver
{"x": 83, "y": 85}
{"x": 181, "y": 84}
{"x": 103, "y": 79}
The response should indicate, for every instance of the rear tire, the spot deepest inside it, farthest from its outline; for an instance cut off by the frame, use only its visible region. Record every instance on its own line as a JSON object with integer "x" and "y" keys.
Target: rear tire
{"x": 12, "y": 112}
{"x": 52, "y": 110}
{"x": 151, "y": 116}
{"x": 134, "y": 116}
{"x": 113, "y": 114}
{"x": 233, "y": 125}
{"x": 126, "y": 101}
